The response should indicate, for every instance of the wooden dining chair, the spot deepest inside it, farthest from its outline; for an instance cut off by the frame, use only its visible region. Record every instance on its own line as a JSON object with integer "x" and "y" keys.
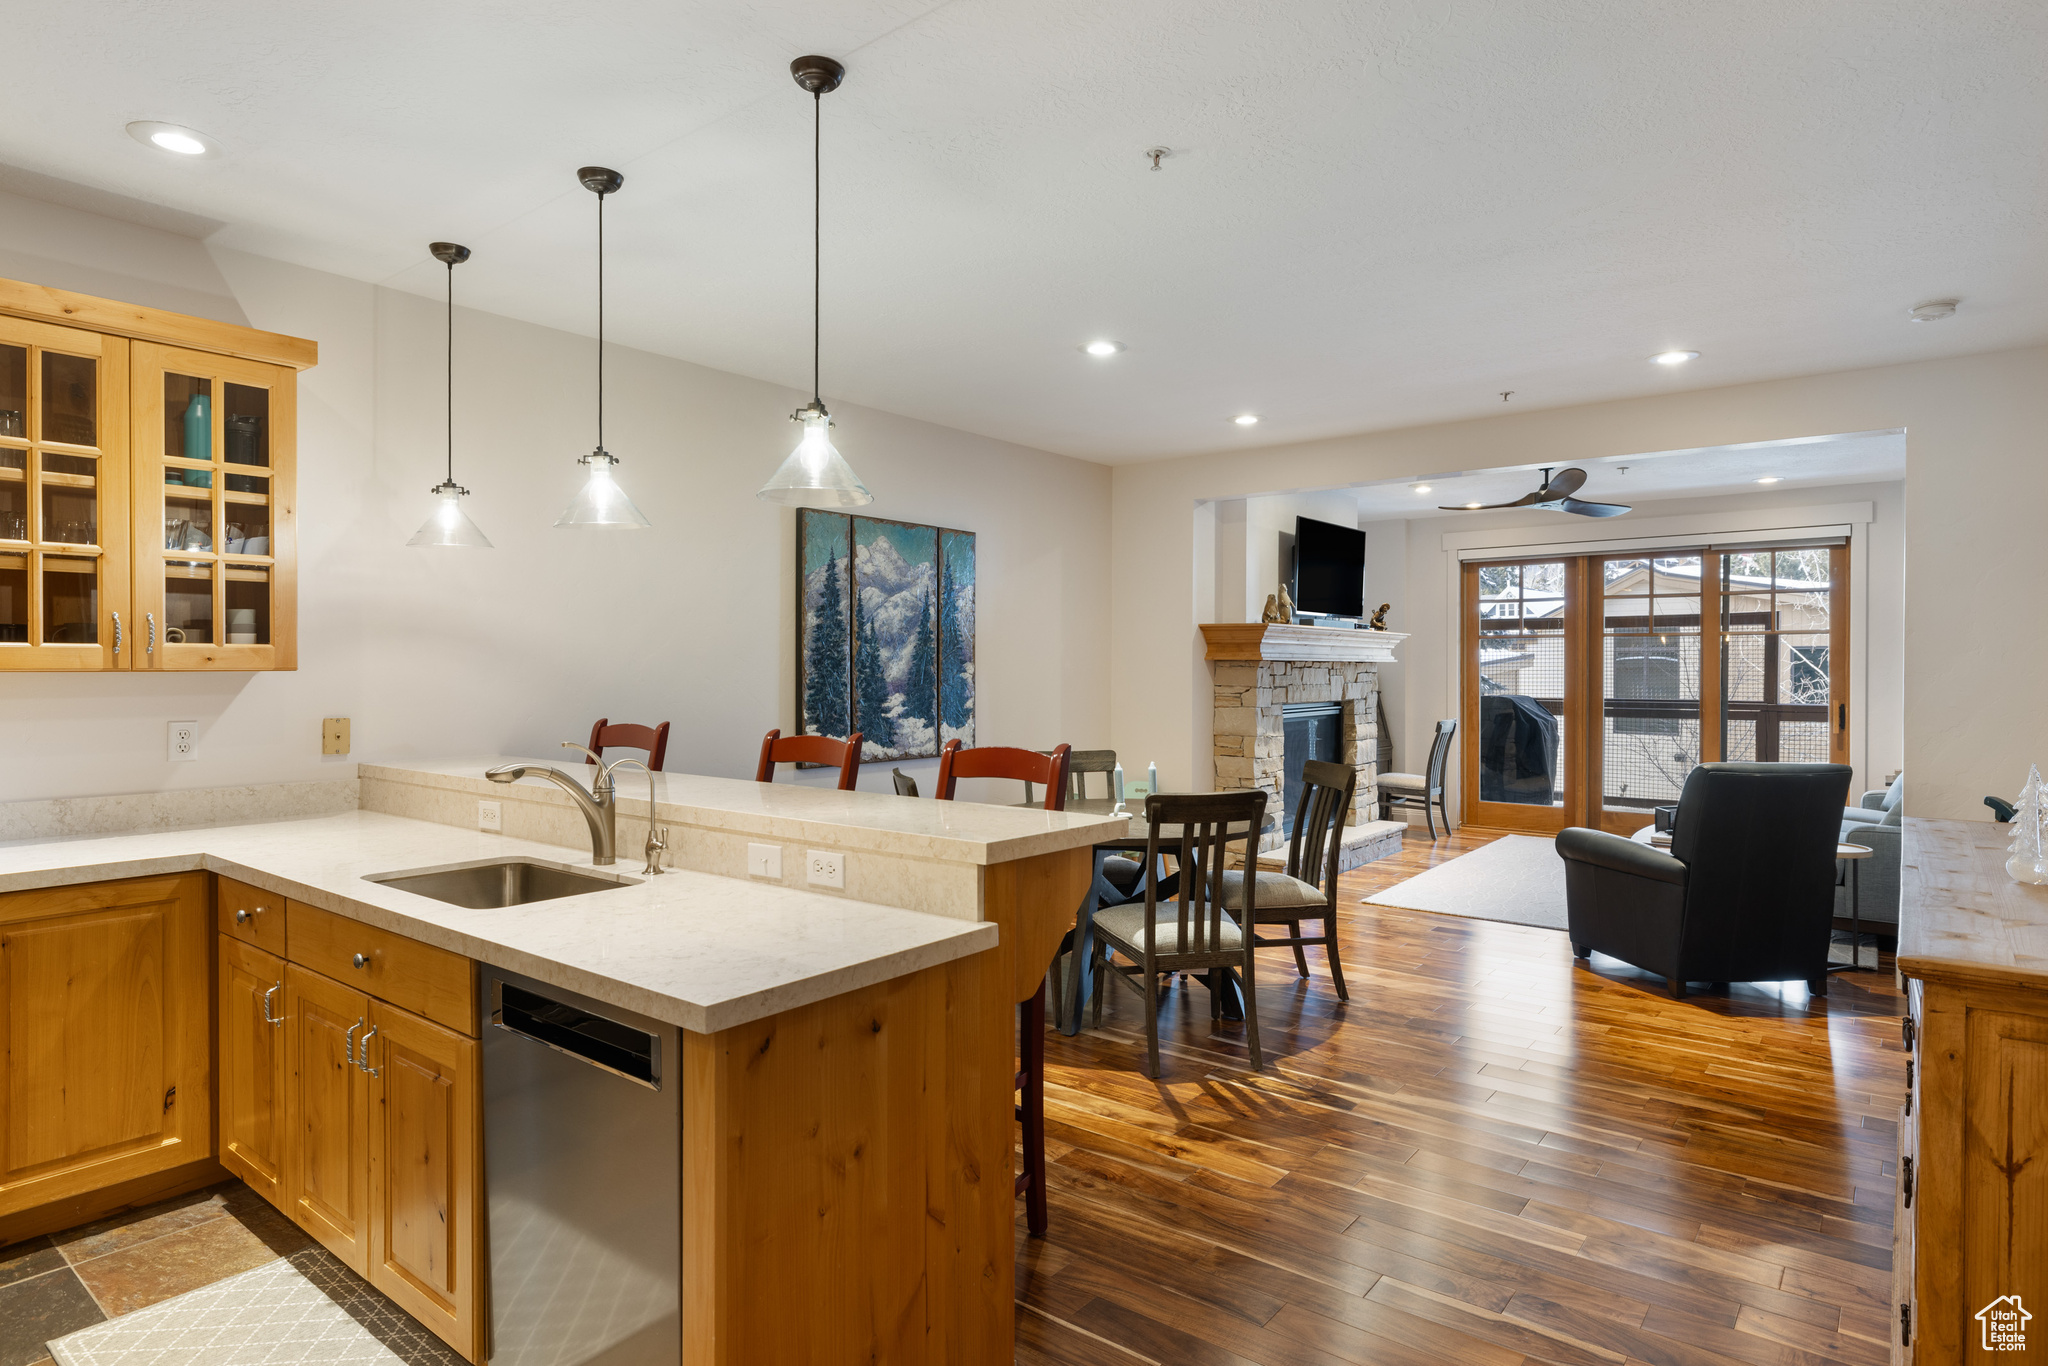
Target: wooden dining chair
{"x": 1307, "y": 889}
{"x": 1081, "y": 763}
{"x": 906, "y": 786}
{"x": 1425, "y": 790}
{"x": 823, "y": 750}
{"x": 1192, "y": 932}
{"x": 1050, "y": 770}
{"x": 653, "y": 739}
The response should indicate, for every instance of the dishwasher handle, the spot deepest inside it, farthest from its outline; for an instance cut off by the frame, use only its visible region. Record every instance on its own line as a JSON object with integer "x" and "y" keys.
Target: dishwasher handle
{"x": 598, "y": 1040}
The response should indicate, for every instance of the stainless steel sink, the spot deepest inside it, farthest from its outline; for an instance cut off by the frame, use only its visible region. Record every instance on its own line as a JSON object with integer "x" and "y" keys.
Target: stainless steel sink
{"x": 496, "y": 883}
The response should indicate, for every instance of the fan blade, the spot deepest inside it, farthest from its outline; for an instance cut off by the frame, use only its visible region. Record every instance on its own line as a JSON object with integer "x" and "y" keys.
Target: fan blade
{"x": 1525, "y": 500}
{"x": 1585, "y": 509}
{"x": 1564, "y": 485}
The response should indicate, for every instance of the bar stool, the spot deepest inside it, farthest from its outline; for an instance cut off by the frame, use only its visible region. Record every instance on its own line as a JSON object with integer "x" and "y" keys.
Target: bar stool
{"x": 653, "y": 739}
{"x": 823, "y": 750}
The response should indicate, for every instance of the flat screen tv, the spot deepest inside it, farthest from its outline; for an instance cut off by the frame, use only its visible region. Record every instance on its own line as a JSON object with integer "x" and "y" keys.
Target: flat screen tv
{"x": 1329, "y": 569}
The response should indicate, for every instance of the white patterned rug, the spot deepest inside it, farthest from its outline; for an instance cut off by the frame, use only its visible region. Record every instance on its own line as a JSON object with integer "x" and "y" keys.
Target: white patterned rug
{"x": 304, "y": 1310}
{"x": 1517, "y": 878}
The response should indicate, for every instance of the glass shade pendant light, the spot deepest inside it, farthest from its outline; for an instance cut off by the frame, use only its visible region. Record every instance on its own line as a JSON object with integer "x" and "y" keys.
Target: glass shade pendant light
{"x": 816, "y": 475}
{"x": 450, "y": 525}
{"x": 601, "y": 505}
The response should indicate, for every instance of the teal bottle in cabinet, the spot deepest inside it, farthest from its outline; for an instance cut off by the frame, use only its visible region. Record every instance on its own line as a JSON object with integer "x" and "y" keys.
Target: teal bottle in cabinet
{"x": 199, "y": 437}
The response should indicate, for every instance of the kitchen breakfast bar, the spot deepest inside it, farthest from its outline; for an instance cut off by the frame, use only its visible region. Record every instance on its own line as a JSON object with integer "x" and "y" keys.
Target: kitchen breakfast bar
{"x": 246, "y": 1000}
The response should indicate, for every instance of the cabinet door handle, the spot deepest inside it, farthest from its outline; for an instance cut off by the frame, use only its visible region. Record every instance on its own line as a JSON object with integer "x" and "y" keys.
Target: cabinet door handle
{"x": 268, "y": 1018}
{"x": 363, "y": 1053}
{"x": 1908, "y": 1032}
{"x": 117, "y": 635}
{"x": 1906, "y": 1177}
{"x": 352, "y": 1042}
{"x": 151, "y": 648}
{"x": 360, "y": 962}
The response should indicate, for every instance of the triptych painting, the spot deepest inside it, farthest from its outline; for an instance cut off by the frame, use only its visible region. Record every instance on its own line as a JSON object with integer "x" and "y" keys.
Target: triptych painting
{"x": 885, "y": 633}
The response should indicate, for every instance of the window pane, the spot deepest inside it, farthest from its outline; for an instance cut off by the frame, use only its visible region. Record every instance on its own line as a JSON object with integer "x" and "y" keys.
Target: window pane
{"x": 1619, "y": 577}
{"x": 188, "y": 417}
{"x": 71, "y": 600}
{"x": 1803, "y": 670}
{"x": 1652, "y": 736}
{"x": 1678, "y": 614}
{"x": 1804, "y": 567}
{"x": 188, "y": 603}
{"x": 1802, "y": 611}
{"x": 1742, "y": 668}
{"x": 13, "y": 599}
{"x": 1802, "y": 742}
{"x": 70, "y": 398}
{"x": 13, "y": 390}
{"x": 1500, "y": 580}
{"x": 246, "y": 425}
{"x": 1543, "y": 580}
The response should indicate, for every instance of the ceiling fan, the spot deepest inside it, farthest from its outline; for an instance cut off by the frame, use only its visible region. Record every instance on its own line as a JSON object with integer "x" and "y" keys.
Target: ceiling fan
{"x": 1555, "y": 494}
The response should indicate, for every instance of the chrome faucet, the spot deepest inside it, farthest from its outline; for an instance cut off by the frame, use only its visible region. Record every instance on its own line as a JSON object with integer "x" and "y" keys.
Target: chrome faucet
{"x": 657, "y": 838}
{"x": 599, "y": 805}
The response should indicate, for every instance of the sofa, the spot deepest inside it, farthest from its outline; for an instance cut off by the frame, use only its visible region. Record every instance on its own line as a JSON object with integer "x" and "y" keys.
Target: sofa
{"x": 1877, "y": 821}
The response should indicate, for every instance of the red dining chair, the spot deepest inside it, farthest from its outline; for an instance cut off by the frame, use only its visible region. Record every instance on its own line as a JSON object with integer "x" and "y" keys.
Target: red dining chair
{"x": 777, "y": 748}
{"x": 653, "y": 739}
{"x": 1028, "y": 766}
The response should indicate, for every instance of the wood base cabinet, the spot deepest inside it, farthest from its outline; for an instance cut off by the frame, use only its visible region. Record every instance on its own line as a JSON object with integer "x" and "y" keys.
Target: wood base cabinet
{"x": 252, "y": 1067}
{"x": 106, "y": 996}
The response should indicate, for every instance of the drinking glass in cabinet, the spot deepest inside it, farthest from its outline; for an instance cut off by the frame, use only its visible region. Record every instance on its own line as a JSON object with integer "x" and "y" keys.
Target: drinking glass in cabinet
{"x": 13, "y": 599}
{"x": 188, "y": 602}
{"x": 70, "y": 399}
{"x": 70, "y": 498}
{"x": 13, "y": 497}
{"x": 13, "y": 390}
{"x": 71, "y": 600}
{"x": 188, "y": 418}
{"x": 248, "y": 593}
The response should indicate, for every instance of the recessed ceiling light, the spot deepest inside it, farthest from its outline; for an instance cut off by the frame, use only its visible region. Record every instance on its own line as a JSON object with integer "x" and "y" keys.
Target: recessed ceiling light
{"x": 1103, "y": 348}
{"x": 1934, "y": 310}
{"x": 1768, "y": 479}
{"x": 1675, "y": 357}
{"x": 174, "y": 138}
{"x": 1422, "y": 488}
{"x": 1471, "y": 505}
{"x": 1246, "y": 419}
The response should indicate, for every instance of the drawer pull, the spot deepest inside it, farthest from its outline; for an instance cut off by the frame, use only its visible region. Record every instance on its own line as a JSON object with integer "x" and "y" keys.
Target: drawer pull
{"x": 360, "y": 961}
{"x": 352, "y": 1042}
{"x": 1906, "y": 1179}
{"x": 268, "y": 1018}
{"x": 244, "y": 917}
{"x": 363, "y": 1053}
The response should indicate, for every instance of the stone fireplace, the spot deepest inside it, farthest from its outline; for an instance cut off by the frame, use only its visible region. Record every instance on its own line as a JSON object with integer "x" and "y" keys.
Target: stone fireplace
{"x": 1260, "y": 673}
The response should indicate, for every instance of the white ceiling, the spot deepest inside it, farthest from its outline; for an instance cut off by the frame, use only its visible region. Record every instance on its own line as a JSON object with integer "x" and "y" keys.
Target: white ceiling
{"x": 1809, "y": 462}
{"x": 1375, "y": 214}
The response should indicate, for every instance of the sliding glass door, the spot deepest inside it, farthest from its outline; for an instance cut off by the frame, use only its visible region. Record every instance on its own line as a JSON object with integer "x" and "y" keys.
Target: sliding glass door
{"x": 1595, "y": 683}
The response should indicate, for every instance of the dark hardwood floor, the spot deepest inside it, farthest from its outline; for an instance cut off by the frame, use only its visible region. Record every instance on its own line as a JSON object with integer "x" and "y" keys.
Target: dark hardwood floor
{"x": 1489, "y": 1156}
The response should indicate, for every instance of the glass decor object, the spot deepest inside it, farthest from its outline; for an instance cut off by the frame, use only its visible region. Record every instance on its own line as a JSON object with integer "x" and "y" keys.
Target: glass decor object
{"x": 449, "y": 525}
{"x": 2029, "y": 849}
{"x": 816, "y": 475}
{"x": 601, "y": 505}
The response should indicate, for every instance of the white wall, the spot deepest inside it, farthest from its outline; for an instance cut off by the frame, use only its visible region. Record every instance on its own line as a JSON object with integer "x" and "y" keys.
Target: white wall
{"x": 513, "y": 649}
{"x": 1977, "y": 481}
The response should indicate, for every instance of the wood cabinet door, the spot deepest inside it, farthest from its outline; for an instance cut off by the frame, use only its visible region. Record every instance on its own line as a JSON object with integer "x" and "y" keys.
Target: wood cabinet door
{"x": 215, "y": 480}
{"x": 426, "y": 1172}
{"x": 327, "y": 1114}
{"x": 105, "y": 1023}
{"x": 2004, "y": 1223}
{"x": 252, "y": 1067}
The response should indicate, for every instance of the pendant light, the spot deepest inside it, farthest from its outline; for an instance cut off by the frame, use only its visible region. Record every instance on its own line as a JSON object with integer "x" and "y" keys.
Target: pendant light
{"x": 816, "y": 475}
{"x": 450, "y": 525}
{"x": 601, "y": 505}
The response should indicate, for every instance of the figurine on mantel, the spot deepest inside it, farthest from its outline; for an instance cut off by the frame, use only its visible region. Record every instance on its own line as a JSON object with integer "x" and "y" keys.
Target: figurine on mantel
{"x": 1272, "y": 612}
{"x": 1379, "y": 618}
{"x": 2029, "y": 848}
{"x": 1286, "y": 606}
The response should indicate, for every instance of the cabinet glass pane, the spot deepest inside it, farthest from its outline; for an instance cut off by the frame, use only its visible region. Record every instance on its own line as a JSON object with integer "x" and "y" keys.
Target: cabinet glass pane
{"x": 248, "y": 529}
{"x": 13, "y": 391}
{"x": 246, "y": 424}
{"x": 188, "y": 524}
{"x": 188, "y": 418}
{"x": 13, "y": 599}
{"x": 70, "y": 399}
{"x": 188, "y": 603}
{"x": 71, "y": 600}
{"x": 194, "y": 479}
{"x": 13, "y": 495}
{"x": 70, "y": 499}
{"x": 248, "y": 590}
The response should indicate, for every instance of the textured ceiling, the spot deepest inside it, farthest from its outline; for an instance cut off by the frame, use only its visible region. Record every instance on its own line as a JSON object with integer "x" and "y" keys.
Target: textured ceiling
{"x": 1374, "y": 214}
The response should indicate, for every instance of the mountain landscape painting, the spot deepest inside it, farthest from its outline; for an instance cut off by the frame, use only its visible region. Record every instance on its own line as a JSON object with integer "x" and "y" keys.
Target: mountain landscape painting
{"x": 885, "y": 633}
{"x": 956, "y": 637}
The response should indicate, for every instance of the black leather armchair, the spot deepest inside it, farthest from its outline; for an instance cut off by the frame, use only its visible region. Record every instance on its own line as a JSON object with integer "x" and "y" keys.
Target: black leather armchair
{"x": 1746, "y": 894}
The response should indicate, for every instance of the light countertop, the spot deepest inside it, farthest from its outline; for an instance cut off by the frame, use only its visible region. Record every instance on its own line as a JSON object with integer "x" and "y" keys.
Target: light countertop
{"x": 878, "y": 822}
{"x": 700, "y": 951}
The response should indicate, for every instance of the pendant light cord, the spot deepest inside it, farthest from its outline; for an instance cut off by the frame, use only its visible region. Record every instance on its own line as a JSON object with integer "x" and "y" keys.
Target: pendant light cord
{"x": 817, "y": 236}
{"x": 600, "y": 321}
{"x": 451, "y": 372}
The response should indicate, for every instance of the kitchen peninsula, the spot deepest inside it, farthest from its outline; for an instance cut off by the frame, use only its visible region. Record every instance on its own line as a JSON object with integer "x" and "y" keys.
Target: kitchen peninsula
{"x": 847, "y": 1056}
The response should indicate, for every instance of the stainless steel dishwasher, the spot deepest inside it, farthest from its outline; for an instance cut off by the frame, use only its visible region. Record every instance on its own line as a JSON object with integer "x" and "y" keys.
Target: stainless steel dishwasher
{"x": 583, "y": 1168}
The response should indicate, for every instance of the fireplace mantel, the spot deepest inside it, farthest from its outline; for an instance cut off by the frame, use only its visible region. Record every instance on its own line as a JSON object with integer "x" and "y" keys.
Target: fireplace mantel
{"x": 1254, "y": 640}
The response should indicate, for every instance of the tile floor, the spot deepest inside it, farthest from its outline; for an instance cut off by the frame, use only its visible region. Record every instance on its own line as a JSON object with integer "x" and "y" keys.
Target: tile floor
{"x": 58, "y": 1284}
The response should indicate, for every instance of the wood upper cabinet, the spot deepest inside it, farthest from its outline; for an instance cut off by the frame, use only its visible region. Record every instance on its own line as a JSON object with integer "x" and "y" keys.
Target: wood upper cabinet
{"x": 148, "y": 477}
{"x": 105, "y": 1025}
{"x": 327, "y": 1107}
{"x": 425, "y": 1152}
{"x": 252, "y": 1066}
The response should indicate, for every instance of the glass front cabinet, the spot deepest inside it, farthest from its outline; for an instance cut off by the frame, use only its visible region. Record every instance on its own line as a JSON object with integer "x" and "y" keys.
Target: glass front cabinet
{"x": 147, "y": 489}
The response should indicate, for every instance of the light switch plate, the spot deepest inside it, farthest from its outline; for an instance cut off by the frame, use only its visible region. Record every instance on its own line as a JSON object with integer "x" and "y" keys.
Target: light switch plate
{"x": 334, "y": 735}
{"x": 490, "y": 816}
{"x": 764, "y": 860}
{"x": 183, "y": 742}
{"x": 826, "y": 868}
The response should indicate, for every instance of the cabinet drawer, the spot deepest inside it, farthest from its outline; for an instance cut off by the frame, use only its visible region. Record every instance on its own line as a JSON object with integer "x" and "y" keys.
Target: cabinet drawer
{"x": 251, "y": 915}
{"x": 418, "y": 977}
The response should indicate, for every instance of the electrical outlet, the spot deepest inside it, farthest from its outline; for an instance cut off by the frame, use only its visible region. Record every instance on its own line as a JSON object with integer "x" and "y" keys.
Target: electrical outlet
{"x": 184, "y": 741}
{"x": 826, "y": 868}
{"x": 764, "y": 860}
{"x": 490, "y": 816}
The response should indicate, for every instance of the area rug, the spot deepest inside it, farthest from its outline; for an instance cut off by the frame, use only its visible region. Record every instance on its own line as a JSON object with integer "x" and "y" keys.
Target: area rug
{"x": 304, "y": 1310}
{"x": 1517, "y": 878}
